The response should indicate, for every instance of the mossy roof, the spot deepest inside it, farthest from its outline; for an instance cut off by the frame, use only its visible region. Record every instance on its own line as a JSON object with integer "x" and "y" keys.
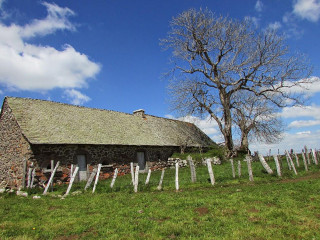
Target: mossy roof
{"x": 47, "y": 122}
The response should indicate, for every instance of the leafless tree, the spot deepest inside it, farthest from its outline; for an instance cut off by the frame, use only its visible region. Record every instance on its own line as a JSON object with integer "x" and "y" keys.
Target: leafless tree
{"x": 215, "y": 57}
{"x": 256, "y": 120}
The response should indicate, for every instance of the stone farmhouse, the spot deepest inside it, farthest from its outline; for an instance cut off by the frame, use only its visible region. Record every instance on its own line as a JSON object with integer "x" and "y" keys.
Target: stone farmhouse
{"x": 35, "y": 132}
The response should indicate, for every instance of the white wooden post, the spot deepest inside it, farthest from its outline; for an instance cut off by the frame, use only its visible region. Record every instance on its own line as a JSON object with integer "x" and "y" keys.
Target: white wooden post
{"x": 192, "y": 169}
{"x": 212, "y": 180}
{"x": 24, "y": 172}
{"x": 51, "y": 178}
{"x": 288, "y": 162}
{"x": 239, "y": 168}
{"x": 114, "y": 177}
{"x": 32, "y": 179}
{"x": 136, "y": 179}
{"x": 291, "y": 162}
{"x": 314, "y": 156}
{"x": 71, "y": 170}
{"x": 304, "y": 161}
{"x": 265, "y": 164}
{"x": 132, "y": 173}
{"x": 97, "y": 178}
{"x": 94, "y": 172}
{"x": 52, "y": 168}
{"x": 232, "y": 167}
{"x": 161, "y": 180}
{"x": 177, "y": 177}
{"x": 297, "y": 159}
{"x": 307, "y": 155}
{"x": 29, "y": 177}
{"x": 248, "y": 158}
{"x": 71, "y": 181}
{"x": 277, "y": 165}
{"x": 148, "y": 177}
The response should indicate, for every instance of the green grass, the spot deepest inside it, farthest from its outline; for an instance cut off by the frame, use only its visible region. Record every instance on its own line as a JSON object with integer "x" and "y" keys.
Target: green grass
{"x": 268, "y": 208}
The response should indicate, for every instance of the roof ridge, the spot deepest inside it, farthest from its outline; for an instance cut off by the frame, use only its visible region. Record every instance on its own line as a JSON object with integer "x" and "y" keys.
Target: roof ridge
{"x": 100, "y": 109}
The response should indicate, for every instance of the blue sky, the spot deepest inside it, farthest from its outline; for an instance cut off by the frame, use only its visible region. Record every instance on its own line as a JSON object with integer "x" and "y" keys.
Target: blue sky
{"x": 106, "y": 54}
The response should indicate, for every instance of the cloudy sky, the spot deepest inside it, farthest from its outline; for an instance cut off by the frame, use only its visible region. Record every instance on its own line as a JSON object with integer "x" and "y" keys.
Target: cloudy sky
{"x": 106, "y": 54}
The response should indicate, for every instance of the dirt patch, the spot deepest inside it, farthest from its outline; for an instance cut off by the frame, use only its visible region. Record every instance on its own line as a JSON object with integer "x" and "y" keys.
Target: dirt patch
{"x": 314, "y": 175}
{"x": 202, "y": 211}
{"x": 254, "y": 219}
{"x": 226, "y": 212}
{"x": 253, "y": 210}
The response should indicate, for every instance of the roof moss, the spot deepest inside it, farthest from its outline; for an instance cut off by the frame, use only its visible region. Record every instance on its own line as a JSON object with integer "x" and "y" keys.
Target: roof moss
{"x": 47, "y": 122}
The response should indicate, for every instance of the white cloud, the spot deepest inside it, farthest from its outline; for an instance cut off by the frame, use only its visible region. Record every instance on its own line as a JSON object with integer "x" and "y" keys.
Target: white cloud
{"x": 57, "y": 19}
{"x": 307, "y": 9}
{"x": 76, "y": 97}
{"x": 304, "y": 123}
{"x": 254, "y": 20}
{"x": 25, "y": 66}
{"x": 304, "y": 133}
{"x": 207, "y": 125}
{"x": 274, "y": 26}
{"x": 294, "y": 141}
{"x": 259, "y": 6}
{"x": 307, "y": 87}
{"x": 306, "y": 111}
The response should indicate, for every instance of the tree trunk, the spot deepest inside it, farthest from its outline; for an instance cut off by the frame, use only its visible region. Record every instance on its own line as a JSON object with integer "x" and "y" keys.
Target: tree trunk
{"x": 227, "y": 133}
{"x": 244, "y": 145}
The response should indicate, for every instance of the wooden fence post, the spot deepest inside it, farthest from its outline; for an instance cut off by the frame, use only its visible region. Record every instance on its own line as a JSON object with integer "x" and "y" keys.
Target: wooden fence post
{"x": 136, "y": 179}
{"x": 132, "y": 173}
{"x": 239, "y": 168}
{"x": 232, "y": 168}
{"x": 265, "y": 164}
{"x": 192, "y": 169}
{"x": 177, "y": 176}
{"x": 212, "y": 180}
{"x": 148, "y": 177}
{"x": 29, "y": 176}
{"x": 161, "y": 179}
{"x": 307, "y": 154}
{"x": 90, "y": 179}
{"x": 291, "y": 162}
{"x": 248, "y": 158}
{"x": 24, "y": 172}
{"x": 304, "y": 161}
{"x": 275, "y": 157}
{"x": 288, "y": 162}
{"x": 33, "y": 175}
{"x": 51, "y": 178}
{"x": 114, "y": 177}
{"x": 97, "y": 178}
{"x": 297, "y": 158}
{"x": 314, "y": 156}
{"x": 71, "y": 181}
{"x": 71, "y": 171}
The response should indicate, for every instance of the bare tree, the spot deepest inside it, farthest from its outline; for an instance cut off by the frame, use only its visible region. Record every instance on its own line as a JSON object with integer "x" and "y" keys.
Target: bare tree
{"x": 215, "y": 57}
{"x": 256, "y": 120}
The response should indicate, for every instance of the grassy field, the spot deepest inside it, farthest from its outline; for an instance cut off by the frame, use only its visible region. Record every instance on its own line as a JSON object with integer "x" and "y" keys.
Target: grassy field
{"x": 268, "y": 208}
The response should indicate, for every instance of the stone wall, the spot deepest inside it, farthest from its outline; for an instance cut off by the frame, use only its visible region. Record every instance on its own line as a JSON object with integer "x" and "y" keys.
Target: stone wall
{"x": 112, "y": 156}
{"x": 14, "y": 148}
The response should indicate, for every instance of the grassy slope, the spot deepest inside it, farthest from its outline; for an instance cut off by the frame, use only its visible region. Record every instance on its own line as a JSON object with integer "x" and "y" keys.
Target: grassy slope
{"x": 269, "y": 208}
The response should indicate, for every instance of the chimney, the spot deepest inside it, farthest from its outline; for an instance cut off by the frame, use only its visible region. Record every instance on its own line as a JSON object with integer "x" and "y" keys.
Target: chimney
{"x": 139, "y": 113}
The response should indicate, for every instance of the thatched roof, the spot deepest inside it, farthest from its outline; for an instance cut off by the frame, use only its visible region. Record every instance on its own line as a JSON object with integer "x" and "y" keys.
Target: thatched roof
{"x": 47, "y": 122}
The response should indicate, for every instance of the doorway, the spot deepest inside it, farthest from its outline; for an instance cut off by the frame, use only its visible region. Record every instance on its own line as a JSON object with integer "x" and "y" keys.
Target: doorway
{"x": 82, "y": 164}
{"x": 141, "y": 160}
